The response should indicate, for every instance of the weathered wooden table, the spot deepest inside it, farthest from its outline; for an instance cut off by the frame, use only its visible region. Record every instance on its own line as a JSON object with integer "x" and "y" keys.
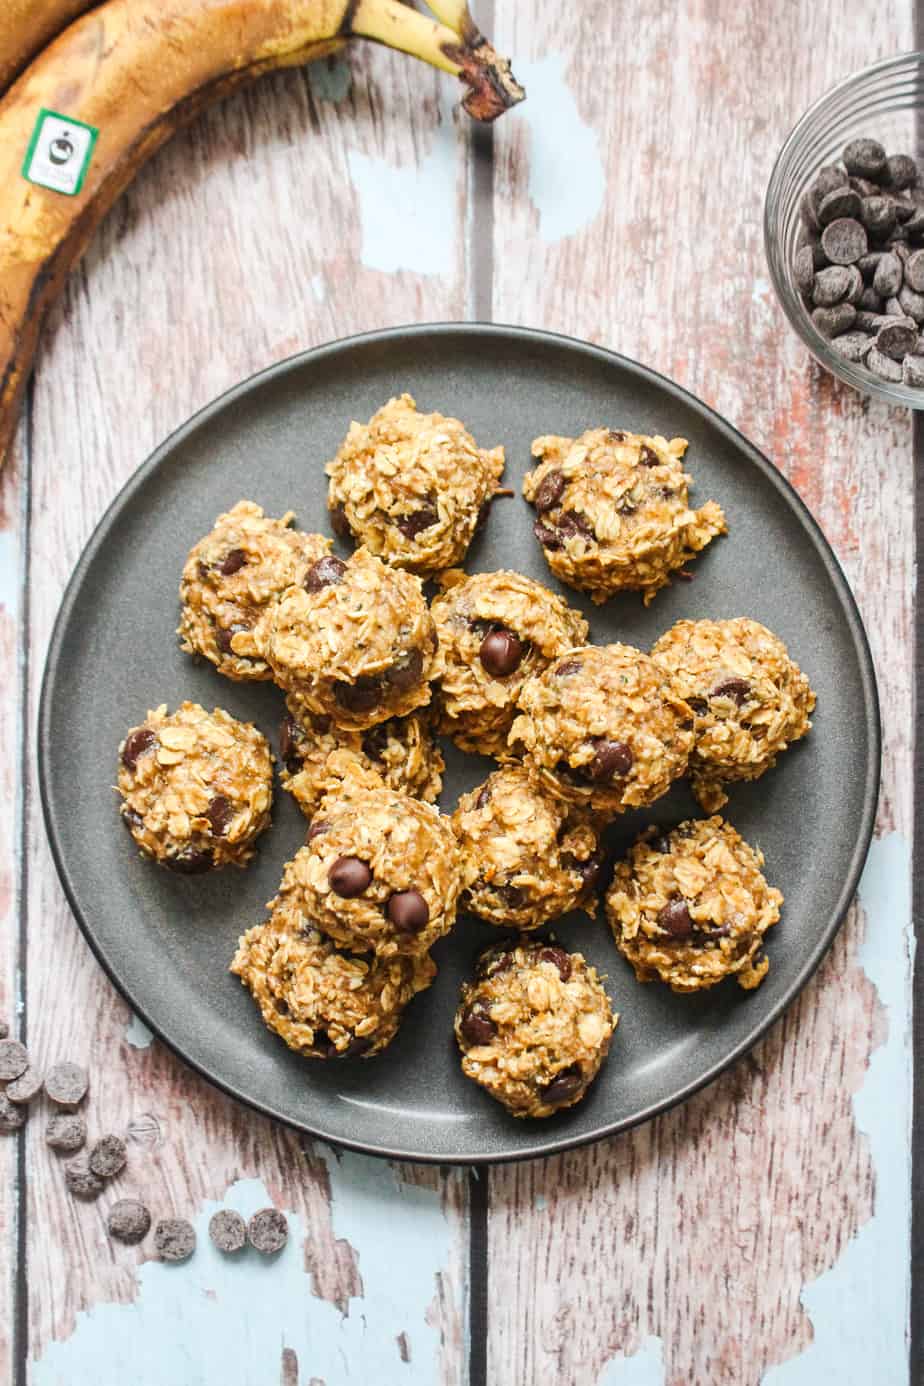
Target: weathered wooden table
{"x": 760, "y": 1233}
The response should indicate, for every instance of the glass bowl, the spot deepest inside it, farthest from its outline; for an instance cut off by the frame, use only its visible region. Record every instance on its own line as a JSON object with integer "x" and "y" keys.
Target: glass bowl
{"x": 884, "y": 102}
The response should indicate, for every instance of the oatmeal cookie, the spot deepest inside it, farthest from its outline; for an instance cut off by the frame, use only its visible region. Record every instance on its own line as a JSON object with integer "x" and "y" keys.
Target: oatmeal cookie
{"x": 603, "y": 727}
{"x": 196, "y": 787}
{"x": 527, "y": 857}
{"x": 379, "y": 871}
{"x": 412, "y": 487}
{"x": 495, "y": 630}
{"x": 691, "y": 907}
{"x": 325, "y": 1003}
{"x": 613, "y": 511}
{"x": 749, "y": 698}
{"x": 355, "y": 643}
{"x": 232, "y": 577}
{"x": 534, "y": 1027}
{"x": 402, "y": 753}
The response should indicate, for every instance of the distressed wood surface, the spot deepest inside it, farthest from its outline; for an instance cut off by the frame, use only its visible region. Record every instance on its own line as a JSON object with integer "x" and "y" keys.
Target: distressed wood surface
{"x": 702, "y": 1228}
{"x": 627, "y": 204}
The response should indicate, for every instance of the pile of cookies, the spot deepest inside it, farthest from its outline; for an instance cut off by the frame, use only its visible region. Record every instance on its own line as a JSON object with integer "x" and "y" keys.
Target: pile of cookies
{"x": 372, "y": 673}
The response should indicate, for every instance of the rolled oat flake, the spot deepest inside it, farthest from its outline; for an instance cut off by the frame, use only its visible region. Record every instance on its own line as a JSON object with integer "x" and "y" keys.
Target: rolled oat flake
{"x": 227, "y": 1230}
{"x": 66, "y": 1084}
{"x": 66, "y": 1131}
{"x": 81, "y": 1180}
{"x": 174, "y": 1239}
{"x": 14, "y": 1059}
{"x": 128, "y": 1221}
{"x": 108, "y": 1156}
{"x": 11, "y": 1116}
{"x": 268, "y": 1231}
{"x": 26, "y": 1087}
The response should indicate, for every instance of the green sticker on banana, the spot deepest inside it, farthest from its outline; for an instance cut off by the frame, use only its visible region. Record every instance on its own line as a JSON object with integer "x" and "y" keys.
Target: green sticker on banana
{"x": 59, "y": 153}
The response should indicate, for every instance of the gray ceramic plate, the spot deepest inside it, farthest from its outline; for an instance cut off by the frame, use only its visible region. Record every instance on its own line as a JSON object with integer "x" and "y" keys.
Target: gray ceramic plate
{"x": 166, "y": 941}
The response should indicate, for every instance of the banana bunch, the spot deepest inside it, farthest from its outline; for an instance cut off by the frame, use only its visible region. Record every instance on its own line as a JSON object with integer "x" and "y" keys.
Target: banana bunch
{"x": 126, "y": 76}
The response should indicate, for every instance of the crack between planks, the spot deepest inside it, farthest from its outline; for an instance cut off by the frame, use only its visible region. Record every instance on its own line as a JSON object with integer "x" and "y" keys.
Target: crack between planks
{"x": 478, "y": 1276}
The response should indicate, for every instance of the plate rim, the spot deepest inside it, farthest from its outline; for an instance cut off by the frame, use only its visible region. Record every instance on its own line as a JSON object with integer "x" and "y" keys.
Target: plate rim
{"x": 403, "y": 333}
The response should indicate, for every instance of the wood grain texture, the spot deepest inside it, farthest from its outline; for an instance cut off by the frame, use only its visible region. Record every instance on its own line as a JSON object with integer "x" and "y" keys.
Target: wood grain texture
{"x": 240, "y": 244}
{"x": 702, "y": 1227}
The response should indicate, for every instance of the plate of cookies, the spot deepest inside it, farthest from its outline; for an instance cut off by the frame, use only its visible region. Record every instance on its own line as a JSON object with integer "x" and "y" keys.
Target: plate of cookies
{"x": 459, "y": 743}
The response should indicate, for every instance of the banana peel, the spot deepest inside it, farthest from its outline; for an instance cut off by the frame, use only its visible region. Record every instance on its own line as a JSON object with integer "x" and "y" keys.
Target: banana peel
{"x": 137, "y": 71}
{"x": 27, "y": 25}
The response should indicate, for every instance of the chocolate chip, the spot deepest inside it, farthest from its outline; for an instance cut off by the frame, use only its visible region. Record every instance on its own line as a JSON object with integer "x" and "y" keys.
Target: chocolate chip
{"x": 339, "y": 522}
{"x": 219, "y": 813}
{"x": 549, "y": 538}
{"x": 900, "y": 172}
{"x": 616, "y": 435}
{"x": 357, "y": 1046}
{"x": 327, "y": 572}
{"x": 193, "y": 861}
{"x": 228, "y": 1230}
{"x": 280, "y": 1005}
{"x": 476, "y": 1027}
{"x": 288, "y": 744}
{"x": 406, "y": 670}
{"x": 510, "y": 896}
{"x": 349, "y": 877}
{"x": 492, "y": 961}
{"x": 419, "y": 520}
{"x": 883, "y": 366}
{"x": 913, "y": 370}
{"x": 564, "y": 1086}
{"x": 232, "y": 562}
{"x": 831, "y": 322}
{"x": 867, "y": 264}
{"x": 612, "y": 760}
{"x": 317, "y": 826}
{"x": 896, "y": 340}
{"x": 66, "y": 1131}
{"x": 361, "y": 696}
{"x": 865, "y": 187}
{"x": 375, "y": 742}
{"x": 832, "y": 285}
{"x": 803, "y": 268}
{"x": 865, "y": 158}
{"x": 128, "y": 1221}
{"x": 108, "y": 1157}
{"x": 26, "y": 1087}
{"x": 549, "y": 491}
{"x": 408, "y": 911}
{"x": 323, "y": 1046}
{"x": 591, "y": 870}
{"x": 887, "y": 279}
{"x": 66, "y": 1084}
{"x": 662, "y": 844}
{"x": 853, "y": 346}
{"x": 501, "y": 653}
{"x": 571, "y": 523}
{"x": 12, "y": 1117}
{"x": 904, "y": 210}
{"x": 739, "y": 690}
{"x": 81, "y": 1181}
{"x": 136, "y": 743}
{"x": 559, "y": 958}
{"x": 268, "y": 1231}
{"x": 648, "y": 457}
{"x": 844, "y": 241}
{"x": 14, "y": 1060}
{"x": 838, "y": 205}
{"x": 174, "y": 1239}
{"x": 568, "y": 666}
{"x": 914, "y": 271}
{"x": 911, "y": 304}
{"x": 484, "y": 794}
{"x": 808, "y": 211}
{"x": 675, "y": 918}
{"x": 225, "y": 634}
{"x": 878, "y": 216}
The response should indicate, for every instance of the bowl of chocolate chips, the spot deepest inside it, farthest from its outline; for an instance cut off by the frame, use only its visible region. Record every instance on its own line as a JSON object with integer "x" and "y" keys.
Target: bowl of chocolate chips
{"x": 844, "y": 230}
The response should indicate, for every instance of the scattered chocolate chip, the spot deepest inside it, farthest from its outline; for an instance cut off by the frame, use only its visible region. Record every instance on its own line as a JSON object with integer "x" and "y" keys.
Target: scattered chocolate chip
{"x": 225, "y": 634}
{"x": 66, "y": 1085}
{"x": 228, "y": 1231}
{"x": 559, "y": 958}
{"x": 675, "y": 918}
{"x": 232, "y": 562}
{"x": 194, "y": 861}
{"x": 739, "y": 690}
{"x": 549, "y": 492}
{"x": 12, "y": 1116}
{"x": 349, "y": 877}
{"x": 501, "y": 653}
{"x": 136, "y": 743}
{"x": 66, "y": 1131}
{"x": 406, "y": 670}
{"x": 14, "y": 1060}
{"x": 900, "y": 172}
{"x": 108, "y": 1157}
{"x": 268, "y": 1231}
{"x": 612, "y": 760}
{"x": 564, "y": 1086}
{"x": 128, "y": 1221}
{"x": 484, "y": 795}
{"x": 327, "y": 572}
{"x": 80, "y": 1179}
{"x": 408, "y": 911}
{"x": 361, "y": 696}
{"x": 419, "y": 520}
{"x": 174, "y": 1239}
{"x": 844, "y": 241}
{"x": 477, "y": 1027}
{"x": 339, "y": 522}
{"x": 865, "y": 158}
{"x": 316, "y": 827}
{"x": 26, "y": 1087}
{"x": 219, "y": 813}
{"x": 568, "y": 666}
{"x": 288, "y": 744}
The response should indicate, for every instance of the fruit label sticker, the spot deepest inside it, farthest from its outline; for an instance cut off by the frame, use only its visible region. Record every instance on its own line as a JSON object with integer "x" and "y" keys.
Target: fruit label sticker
{"x": 59, "y": 153}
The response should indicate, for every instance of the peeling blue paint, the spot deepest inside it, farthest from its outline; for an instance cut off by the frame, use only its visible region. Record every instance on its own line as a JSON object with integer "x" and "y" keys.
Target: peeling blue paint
{"x": 137, "y": 1033}
{"x": 643, "y": 1368}
{"x": 330, "y": 79}
{"x": 859, "y": 1308}
{"x": 540, "y": 1203}
{"x": 228, "y": 1319}
{"x": 318, "y": 288}
{"x": 567, "y": 182}
{"x": 408, "y": 215}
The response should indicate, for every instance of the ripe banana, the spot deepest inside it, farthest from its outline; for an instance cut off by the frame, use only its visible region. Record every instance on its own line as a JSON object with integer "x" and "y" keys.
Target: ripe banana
{"x": 137, "y": 70}
{"x": 27, "y": 25}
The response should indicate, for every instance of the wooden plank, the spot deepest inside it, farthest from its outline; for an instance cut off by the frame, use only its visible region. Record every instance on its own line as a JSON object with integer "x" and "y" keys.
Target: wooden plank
{"x": 248, "y": 238}
{"x": 628, "y": 210}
